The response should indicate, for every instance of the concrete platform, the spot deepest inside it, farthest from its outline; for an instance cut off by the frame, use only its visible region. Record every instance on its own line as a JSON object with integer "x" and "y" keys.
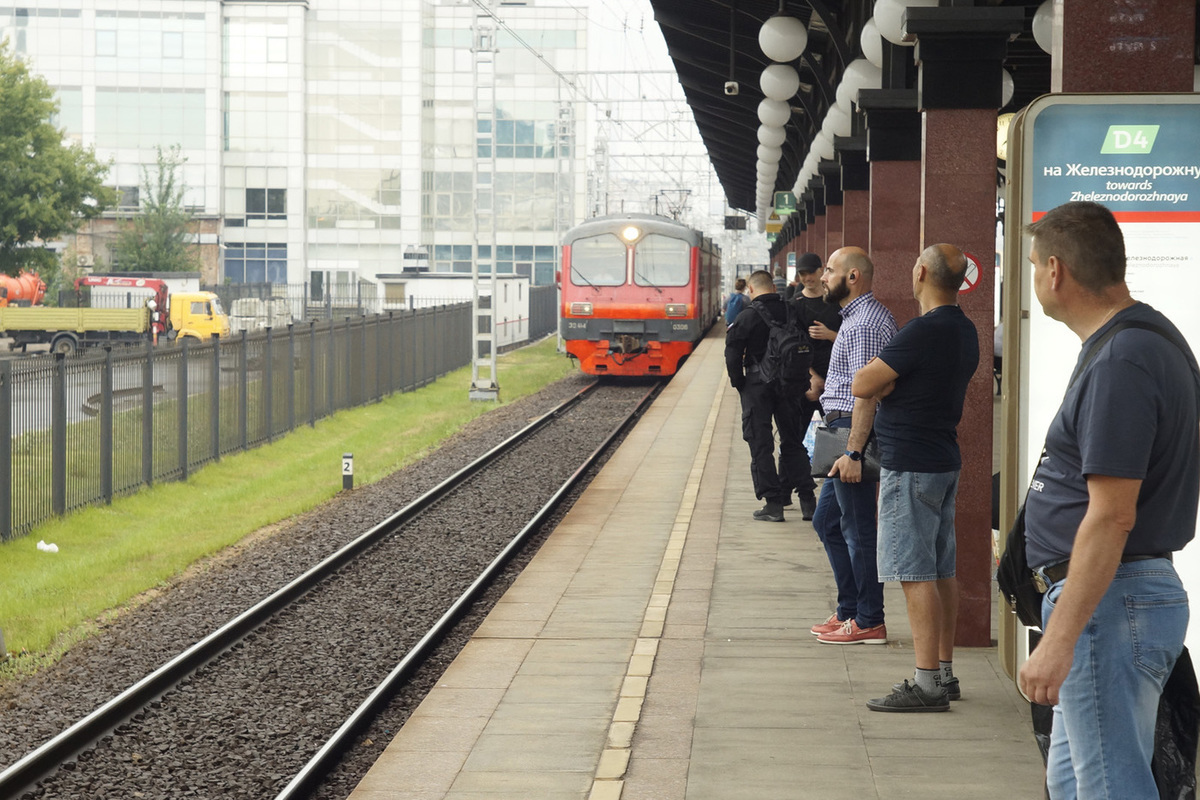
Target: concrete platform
{"x": 657, "y": 648}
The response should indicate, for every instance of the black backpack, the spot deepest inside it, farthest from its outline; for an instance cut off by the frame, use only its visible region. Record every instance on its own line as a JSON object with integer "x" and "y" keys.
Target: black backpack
{"x": 789, "y": 352}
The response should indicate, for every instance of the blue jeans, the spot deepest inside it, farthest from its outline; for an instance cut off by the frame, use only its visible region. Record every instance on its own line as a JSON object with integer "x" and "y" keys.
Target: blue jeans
{"x": 1103, "y": 734}
{"x": 845, "y": 521}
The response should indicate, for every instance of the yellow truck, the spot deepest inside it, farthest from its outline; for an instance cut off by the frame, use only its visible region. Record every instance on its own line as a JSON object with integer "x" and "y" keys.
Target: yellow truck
{"x": 164, "y": 317}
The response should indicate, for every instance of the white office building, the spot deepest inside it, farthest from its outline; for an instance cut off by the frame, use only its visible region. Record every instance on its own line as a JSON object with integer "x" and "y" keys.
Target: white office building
{"x": 329, "y": 142}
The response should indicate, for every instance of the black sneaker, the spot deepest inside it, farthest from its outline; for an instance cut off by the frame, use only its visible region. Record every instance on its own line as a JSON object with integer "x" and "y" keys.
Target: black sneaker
{"x": 909, "y": 698}
{"x": 808, "y": 506}
{"x": 771, "y": 512}
{"x": 953, "y": 691}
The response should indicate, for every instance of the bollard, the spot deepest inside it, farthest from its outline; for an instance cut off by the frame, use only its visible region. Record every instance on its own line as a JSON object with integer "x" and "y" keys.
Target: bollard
{"x": 3, "y": 649}
{"x": 347, "y": 470}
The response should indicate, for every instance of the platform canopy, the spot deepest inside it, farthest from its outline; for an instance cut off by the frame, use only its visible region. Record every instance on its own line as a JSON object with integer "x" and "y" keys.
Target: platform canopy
{"x": 716, "y": 42}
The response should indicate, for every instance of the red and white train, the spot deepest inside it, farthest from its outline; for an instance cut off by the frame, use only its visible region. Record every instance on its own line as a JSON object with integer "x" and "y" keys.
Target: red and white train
{"x": 638, "y": 292}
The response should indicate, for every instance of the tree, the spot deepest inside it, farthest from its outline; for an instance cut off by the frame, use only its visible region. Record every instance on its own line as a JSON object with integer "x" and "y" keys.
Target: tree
{"x": 46, "y": 187}
{"x": 157, "y": 239}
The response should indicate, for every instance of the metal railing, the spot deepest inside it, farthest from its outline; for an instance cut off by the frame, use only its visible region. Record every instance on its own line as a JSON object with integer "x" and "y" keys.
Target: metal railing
{"x": 82, "y": 430}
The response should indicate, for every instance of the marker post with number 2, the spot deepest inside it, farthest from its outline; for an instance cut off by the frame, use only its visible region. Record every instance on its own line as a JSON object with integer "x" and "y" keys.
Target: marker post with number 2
{"x": 347, "y": 470}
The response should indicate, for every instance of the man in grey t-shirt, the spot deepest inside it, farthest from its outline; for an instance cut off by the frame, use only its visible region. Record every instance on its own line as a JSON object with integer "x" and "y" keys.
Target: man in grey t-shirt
{"x": 1114, "y": 495}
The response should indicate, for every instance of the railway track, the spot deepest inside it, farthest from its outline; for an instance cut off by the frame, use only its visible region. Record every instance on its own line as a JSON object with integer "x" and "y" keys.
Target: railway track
{"x": 267, "y": 703}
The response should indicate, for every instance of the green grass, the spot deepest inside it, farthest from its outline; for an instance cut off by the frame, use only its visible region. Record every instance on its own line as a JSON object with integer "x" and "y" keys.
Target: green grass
{"x": 110, "y": 555}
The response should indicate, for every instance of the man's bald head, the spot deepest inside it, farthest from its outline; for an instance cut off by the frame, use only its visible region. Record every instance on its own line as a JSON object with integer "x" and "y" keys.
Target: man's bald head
{"x": 947, "y": 266}
{"x": 855, "y": 258}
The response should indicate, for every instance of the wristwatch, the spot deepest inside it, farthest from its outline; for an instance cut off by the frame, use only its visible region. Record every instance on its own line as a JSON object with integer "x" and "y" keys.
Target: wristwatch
{"x": 855, "y": 455}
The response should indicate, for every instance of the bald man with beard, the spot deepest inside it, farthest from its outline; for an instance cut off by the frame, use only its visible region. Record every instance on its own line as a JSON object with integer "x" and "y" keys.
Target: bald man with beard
{"x": 845, "y": 514}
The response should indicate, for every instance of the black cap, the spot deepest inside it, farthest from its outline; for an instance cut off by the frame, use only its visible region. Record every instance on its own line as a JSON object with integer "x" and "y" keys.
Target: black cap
{"x": 808, "y": 262}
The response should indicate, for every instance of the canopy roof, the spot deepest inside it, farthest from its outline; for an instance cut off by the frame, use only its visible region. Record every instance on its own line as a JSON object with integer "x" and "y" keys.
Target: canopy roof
{"x": 713, "y": 42}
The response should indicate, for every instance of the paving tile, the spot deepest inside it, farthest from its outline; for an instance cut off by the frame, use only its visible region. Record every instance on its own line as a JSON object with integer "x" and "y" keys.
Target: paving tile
{"x": 428, "y": 734}
{"x": 447, "y": 702}
{"x": 656, "y": 779}
{"x": 532, "y": 753}
{"x": 416, "y": 772}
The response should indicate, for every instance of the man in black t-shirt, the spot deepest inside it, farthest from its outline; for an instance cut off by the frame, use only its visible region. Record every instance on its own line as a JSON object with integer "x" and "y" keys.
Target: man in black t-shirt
{"x": 922, "y": 375}
{"x": 1114, "y": 495}
{"x": 820, "y": 319}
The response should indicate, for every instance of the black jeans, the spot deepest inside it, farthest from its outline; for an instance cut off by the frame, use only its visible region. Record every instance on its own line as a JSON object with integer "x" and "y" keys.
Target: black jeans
{"x": 762, "y": 404}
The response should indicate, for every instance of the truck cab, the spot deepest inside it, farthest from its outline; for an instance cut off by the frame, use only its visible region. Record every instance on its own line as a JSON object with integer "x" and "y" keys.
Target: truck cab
{"x": 197, "y": 315}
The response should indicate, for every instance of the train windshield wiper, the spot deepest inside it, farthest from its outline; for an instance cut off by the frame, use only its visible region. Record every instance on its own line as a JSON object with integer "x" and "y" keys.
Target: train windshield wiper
{"x": 577, "y": 274}
{"x": 646, "y": 281}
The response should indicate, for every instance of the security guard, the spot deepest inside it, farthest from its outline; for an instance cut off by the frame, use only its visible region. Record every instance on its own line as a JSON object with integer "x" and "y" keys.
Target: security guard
{"x": 745, "y": 344}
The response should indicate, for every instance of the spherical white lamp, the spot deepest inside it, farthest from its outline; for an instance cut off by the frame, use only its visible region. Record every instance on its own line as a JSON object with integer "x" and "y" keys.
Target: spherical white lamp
{"x": 1043, "y": 26}
{"x": 837, "y": 121}
{"x": 779, "y": 82}
{"x": 774, "y": 113}
{"x": 766, "y": 171}
{"x": 872, "y": 43}
{"x": 1006, "y": 87}
{"x": 823, "y": 145}
{"x": 783, "y": 38}
{"x": 888, "y": 16}
{"x": 771, "y": 155}
{"x": 860, "y": 74}
{"x": 774, "y": 137}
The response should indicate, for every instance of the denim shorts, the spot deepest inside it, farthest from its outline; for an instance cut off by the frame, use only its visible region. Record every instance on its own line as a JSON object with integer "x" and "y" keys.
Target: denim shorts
{"x": 916, "y": 525}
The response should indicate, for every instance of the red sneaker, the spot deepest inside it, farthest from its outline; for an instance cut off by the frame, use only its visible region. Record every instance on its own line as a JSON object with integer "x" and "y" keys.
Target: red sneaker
{"x": 828, "y": 626}
{"x": 850, "y": 633}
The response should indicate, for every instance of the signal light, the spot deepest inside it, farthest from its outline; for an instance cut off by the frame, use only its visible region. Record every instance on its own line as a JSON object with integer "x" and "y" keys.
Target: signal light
{"x": 581, "y": 309}
{"x": 677, "y": 309}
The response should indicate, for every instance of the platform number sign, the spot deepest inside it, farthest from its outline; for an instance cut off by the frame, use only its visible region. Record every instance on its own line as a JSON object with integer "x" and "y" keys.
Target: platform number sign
{"x": 347, "y": 470}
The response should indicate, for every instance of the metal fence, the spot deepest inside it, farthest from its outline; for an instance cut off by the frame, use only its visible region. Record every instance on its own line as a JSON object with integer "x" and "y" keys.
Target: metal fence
{"x": 334, "y": 303}
{"x": 80, "y": 431}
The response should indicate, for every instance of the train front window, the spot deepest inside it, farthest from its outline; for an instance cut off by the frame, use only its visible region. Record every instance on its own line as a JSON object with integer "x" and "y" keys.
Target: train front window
{"x": 598, "y": 261}
{"x": 661, "y": 261}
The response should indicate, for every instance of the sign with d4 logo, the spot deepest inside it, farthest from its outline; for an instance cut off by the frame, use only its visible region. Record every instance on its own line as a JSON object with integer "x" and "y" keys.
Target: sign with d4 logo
{"x": 1129, "y": 139}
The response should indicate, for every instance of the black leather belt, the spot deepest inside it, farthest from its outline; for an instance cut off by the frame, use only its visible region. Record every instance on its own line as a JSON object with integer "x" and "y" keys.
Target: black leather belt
{"x": 832, "y": 415}
{"x": 1056, "y": 572}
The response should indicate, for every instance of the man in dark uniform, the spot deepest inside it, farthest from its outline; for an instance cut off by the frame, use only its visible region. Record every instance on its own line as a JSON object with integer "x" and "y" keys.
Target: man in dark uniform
{"x": 745, "y": 345}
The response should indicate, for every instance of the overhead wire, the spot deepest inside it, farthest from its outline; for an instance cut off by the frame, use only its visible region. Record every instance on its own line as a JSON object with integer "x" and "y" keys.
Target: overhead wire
{"x": 629, "y": 57}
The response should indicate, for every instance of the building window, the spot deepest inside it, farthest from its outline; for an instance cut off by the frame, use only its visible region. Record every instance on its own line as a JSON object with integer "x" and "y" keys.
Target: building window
{"x": 255, "y": 263}
{"x": 266, "y": 204}
{"x": 128, "y": 200}
{"x": 106, "y": 43}
{"x": 172, "y": 44}
{"x": 276, "y": 50}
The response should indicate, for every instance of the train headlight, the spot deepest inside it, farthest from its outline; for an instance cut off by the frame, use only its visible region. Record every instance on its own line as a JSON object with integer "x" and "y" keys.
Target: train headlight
{"x": 581, "y": 309}
{"x": 630, "y": 233}
{"x": 677, "y": 309}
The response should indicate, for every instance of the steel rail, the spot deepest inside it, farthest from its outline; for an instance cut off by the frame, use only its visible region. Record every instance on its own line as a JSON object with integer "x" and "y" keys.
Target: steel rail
{"x": 327, "y": 757}
{"x": 46, "y": 759}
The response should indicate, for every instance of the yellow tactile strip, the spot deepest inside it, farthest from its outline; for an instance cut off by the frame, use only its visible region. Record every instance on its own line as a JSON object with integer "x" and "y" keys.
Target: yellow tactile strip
{"x": 609, "y": 779}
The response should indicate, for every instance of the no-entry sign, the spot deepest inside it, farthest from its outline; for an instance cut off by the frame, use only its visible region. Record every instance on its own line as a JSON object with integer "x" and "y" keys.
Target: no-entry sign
{"x": 972, "y": 278}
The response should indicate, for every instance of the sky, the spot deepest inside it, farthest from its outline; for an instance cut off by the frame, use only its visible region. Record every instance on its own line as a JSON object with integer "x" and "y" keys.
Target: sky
{"x": 657, "y": 160}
